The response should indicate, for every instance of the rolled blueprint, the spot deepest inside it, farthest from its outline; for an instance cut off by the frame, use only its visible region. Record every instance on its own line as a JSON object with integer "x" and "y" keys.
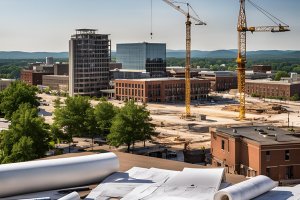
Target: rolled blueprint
{"x": 71, "y": 196}
{"x": 247, "y": 189}
{"x": 35, "y": 176}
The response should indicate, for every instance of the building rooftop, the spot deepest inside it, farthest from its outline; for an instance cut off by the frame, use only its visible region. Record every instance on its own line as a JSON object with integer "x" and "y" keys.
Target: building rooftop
{"x": 272, "y": 82}
{"x": 178, "y": 69}
{"x": 61, "y": 76}
{"x": 264, "y": 135}
{"x": 161, "y": 79}
{"x": 220, "y": 73}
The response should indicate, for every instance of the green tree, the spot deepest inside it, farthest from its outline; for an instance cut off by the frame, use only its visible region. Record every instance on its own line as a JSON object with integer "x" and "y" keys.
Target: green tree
{"x": 26, "y": 133}
{"x": 91, "y": 124}
{"x": 22, "y": 151}
{"x": 57, "y": 102}
{"x": 103, "y": 99}
{"x": 104, "y": 114}
{"x": 130, "y": 124}
{"x": 72, "y": 116}
{"x": 54, "y": 93}
{"x": 16, "y": 94}
{"x": 280, "y": 74}
{"x": 295, "y": 97}
{"x": 47, "y": 91}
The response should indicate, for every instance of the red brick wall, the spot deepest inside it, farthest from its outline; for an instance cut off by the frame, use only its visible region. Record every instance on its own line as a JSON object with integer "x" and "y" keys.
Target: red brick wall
{"x": 277, "y": 162}
{"x": 33, "y": 78}
{"x": 272, "y": 89}
{"x": 157, "y": 89}
{"x": 26, "y": 76}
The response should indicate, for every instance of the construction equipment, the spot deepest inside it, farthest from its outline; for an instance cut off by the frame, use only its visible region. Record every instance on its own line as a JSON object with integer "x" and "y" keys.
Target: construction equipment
{"x": 241, "y": 60}
{"x": 188, "y": 50}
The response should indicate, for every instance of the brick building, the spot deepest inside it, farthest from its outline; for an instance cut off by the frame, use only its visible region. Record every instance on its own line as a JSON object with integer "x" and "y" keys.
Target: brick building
{"x": 33, "y": 78}
{"x": 272, "y": 88}
{"x": 179, "y": 72}
{"x": 160, "y": 89}
{"x": 221, "y": 80}
{"x": 261, "y": 68}
{"x": 257, "y": 150}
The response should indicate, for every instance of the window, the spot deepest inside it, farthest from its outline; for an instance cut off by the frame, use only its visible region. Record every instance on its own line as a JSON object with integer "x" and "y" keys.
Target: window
{"x": 289, "y": 172}
{"x": 267, "y": 155}
{"x": 287, "y": 154}
{"x": 268, "y": 171}
{"x": 223, "y": 144}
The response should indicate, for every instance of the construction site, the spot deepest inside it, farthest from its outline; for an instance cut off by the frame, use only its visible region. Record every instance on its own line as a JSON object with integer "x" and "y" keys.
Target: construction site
{"x": 184, "y": 139}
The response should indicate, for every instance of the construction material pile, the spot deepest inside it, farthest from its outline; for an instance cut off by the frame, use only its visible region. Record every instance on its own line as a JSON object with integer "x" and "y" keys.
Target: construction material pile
{"x": 272, "y": 108}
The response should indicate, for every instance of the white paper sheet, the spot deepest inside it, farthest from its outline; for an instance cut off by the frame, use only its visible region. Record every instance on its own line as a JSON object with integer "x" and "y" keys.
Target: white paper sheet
{"x": 281, "y": 193}
{"x": 247, "y": 189}
{"x": 190, "y": 184}
{"x": 120, "y": 184}
{"x": 206, "y": 177}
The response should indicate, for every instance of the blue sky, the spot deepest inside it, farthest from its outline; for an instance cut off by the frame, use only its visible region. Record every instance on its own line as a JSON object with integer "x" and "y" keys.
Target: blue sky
{"x": 44, "y": 25}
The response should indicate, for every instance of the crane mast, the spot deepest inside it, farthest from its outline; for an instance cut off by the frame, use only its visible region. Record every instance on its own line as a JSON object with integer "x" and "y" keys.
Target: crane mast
{"x": 188, "y": 68}
{"x": 188, "y": 52}
{"x": 241, "y": 60}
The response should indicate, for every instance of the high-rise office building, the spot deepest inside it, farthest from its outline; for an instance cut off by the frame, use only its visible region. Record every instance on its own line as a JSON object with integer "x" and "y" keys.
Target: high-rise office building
{"x": 143, "y": 56}
{"x": 89, "y": 57}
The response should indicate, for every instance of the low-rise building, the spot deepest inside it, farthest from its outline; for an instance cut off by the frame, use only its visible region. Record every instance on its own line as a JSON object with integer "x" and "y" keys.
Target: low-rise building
{"x": 261, "y": 68}
{"x": 257, "y": 150}
{"x": 57, "y": 82}
{"x": 272, "y": 88}
{"x": 221, "y": 80}
{"x": 33, "y": 77}
{"x": 160, "y": 89}
{"x": 179, "y": 72}
{"x": 4, "y": 83}
{"x": 61, "y": 68}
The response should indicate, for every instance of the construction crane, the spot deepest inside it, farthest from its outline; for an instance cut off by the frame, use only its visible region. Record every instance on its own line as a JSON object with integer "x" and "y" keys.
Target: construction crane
{"x": 241, "y": 60}
{"x": 188, "y": 50}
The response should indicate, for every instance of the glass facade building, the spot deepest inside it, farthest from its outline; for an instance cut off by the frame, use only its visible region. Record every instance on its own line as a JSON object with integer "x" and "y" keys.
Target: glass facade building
{"x": 143, "y": 56}
{"x": 89, "y": 57}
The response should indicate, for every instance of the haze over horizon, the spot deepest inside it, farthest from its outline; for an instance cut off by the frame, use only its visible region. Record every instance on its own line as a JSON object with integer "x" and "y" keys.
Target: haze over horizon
{"x": 43, "y": 26}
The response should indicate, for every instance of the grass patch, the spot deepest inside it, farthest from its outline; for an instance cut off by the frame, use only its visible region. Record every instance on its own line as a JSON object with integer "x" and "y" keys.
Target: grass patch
{"x": 58, "y": 153}
{"x": 99, "y": 151}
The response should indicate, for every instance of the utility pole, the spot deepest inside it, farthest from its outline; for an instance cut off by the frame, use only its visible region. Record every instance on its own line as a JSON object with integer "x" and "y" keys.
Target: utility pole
{"x": 288, "y": 119}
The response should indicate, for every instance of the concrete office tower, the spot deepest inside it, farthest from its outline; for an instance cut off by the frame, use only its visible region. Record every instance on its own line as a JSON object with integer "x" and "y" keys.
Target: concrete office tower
{"x": 49, "y": 60}
{"x": 143, "y": 56}
{"x": 89, "y": 57}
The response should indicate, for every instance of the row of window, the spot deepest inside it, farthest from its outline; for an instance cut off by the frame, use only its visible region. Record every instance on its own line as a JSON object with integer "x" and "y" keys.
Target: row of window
{"x": 287, "y": 155}
{"x": 130, "y": 85}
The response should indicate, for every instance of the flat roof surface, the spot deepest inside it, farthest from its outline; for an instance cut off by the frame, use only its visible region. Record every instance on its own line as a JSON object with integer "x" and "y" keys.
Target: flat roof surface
{"x": 57, "y": 76}
{"x": 259, "y": 135}
{"x": 127, "y": 161}
{"x": 161, "y": 79}
{"x": 272, "y": 82}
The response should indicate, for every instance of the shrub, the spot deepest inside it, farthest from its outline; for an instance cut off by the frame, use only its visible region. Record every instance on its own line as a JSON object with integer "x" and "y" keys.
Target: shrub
{"x": 295, "y": 98}
{"x": 47, "y": 91}
{"x": 58, "y": 153}
{"x": 255, "y": 95}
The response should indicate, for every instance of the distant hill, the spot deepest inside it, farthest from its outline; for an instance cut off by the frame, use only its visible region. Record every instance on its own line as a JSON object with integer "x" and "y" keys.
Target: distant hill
{"x": 232, "y": 53}
{"x": 31, "y": 55}
{"x": 221, "y": 54}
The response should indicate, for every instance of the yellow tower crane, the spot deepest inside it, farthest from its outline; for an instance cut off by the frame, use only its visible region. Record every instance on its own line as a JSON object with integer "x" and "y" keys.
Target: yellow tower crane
{"x": 188, "y": 50}
{"x": 241, "y": 60}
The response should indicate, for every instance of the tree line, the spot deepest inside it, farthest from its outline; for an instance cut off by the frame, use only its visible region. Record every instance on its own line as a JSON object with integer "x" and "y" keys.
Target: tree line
{"x": 28, "y": 136}
{"x": 216, "y": 64}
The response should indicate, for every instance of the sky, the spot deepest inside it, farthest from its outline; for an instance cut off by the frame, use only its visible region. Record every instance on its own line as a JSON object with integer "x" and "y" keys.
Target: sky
{"x": 47, "y": 25}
